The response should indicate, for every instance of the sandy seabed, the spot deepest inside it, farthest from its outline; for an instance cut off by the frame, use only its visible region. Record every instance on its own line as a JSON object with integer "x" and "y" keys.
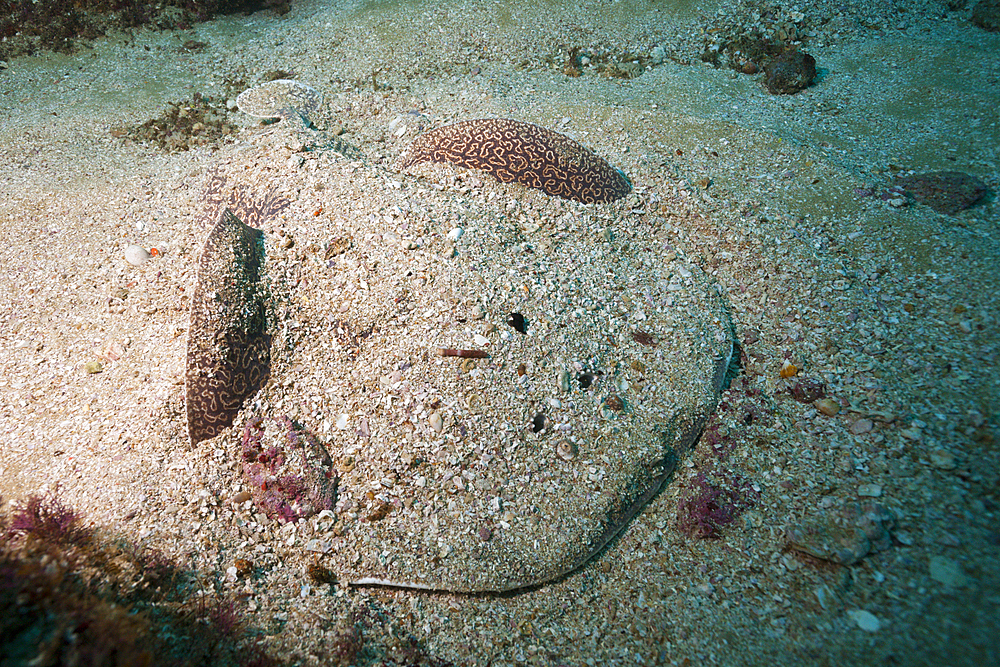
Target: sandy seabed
{"x": 774, "y": 203}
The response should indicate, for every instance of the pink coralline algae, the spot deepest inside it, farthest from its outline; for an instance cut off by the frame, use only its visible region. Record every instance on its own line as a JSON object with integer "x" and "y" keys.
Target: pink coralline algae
{"x": 290, "y": 474}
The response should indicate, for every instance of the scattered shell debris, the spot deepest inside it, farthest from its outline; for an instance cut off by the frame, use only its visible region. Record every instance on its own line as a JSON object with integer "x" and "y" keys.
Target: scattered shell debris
{"x": 855, "y": 241}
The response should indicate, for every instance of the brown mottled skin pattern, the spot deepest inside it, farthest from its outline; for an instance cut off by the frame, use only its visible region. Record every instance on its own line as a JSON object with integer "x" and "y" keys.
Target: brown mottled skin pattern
{"x": 229, "y": 348}
{"x": 512, "y": 150}
{"x": 249, "y": 208}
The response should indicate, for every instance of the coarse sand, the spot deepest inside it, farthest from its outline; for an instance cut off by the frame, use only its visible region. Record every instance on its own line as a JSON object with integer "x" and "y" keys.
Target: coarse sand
{"x": 865, "y": 327}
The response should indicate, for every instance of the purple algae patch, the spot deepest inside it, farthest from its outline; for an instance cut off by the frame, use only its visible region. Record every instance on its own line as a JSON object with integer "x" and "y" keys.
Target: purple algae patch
{"x": 710, "y": 507}
{"x": 290, "y": 473}
{"x": 46, "y": 518}
{"x": 714, "y": 440}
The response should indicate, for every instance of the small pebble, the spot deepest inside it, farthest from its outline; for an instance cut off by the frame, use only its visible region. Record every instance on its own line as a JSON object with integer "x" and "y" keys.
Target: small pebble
{"x": 241, "y": 497}
{"x": 870, "y": 490}
{"x": 949, "y": 539}
{"x": 943, "y": 459}
{"x": 790, "y": 562}
{"x": 861, "y": 426}
{"x": 436, "y": 422}
{"x": 455, "y": 234}
{"x": 136, "y": 255}
{"x": 564, "y": 381}
{"x": 825, "y": 596}
{"x": 92, "y": 367}
{"x": 948, "y": 572}
{"x": 827, "y": 406}
{"x": 866, "y": 620}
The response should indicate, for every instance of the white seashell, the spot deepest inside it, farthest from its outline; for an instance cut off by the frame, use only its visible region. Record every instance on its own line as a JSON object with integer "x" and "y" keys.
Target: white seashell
{"x": 436, "y": 422}
{"x": 136, "y": 255}
{"x": 455, "y": 234}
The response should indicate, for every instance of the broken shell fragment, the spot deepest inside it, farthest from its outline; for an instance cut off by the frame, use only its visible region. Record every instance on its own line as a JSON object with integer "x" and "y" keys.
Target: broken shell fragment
{"x": 788, "y": 369}
{"x": 827, "y": 406}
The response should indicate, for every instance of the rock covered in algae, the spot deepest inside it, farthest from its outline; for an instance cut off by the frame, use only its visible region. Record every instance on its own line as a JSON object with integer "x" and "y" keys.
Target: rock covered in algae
{"x": 846, "y": 535}
{"x": 290, "y": 474}
{"x": 228, "y": 353}
{"x": 281, "y": 98}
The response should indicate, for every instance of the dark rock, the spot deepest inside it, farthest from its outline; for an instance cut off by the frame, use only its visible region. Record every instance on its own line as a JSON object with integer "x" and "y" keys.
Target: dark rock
{"x": 789, "y": 73}
{"x": 944, "y": 191}
{"x": 986, "y": 15}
